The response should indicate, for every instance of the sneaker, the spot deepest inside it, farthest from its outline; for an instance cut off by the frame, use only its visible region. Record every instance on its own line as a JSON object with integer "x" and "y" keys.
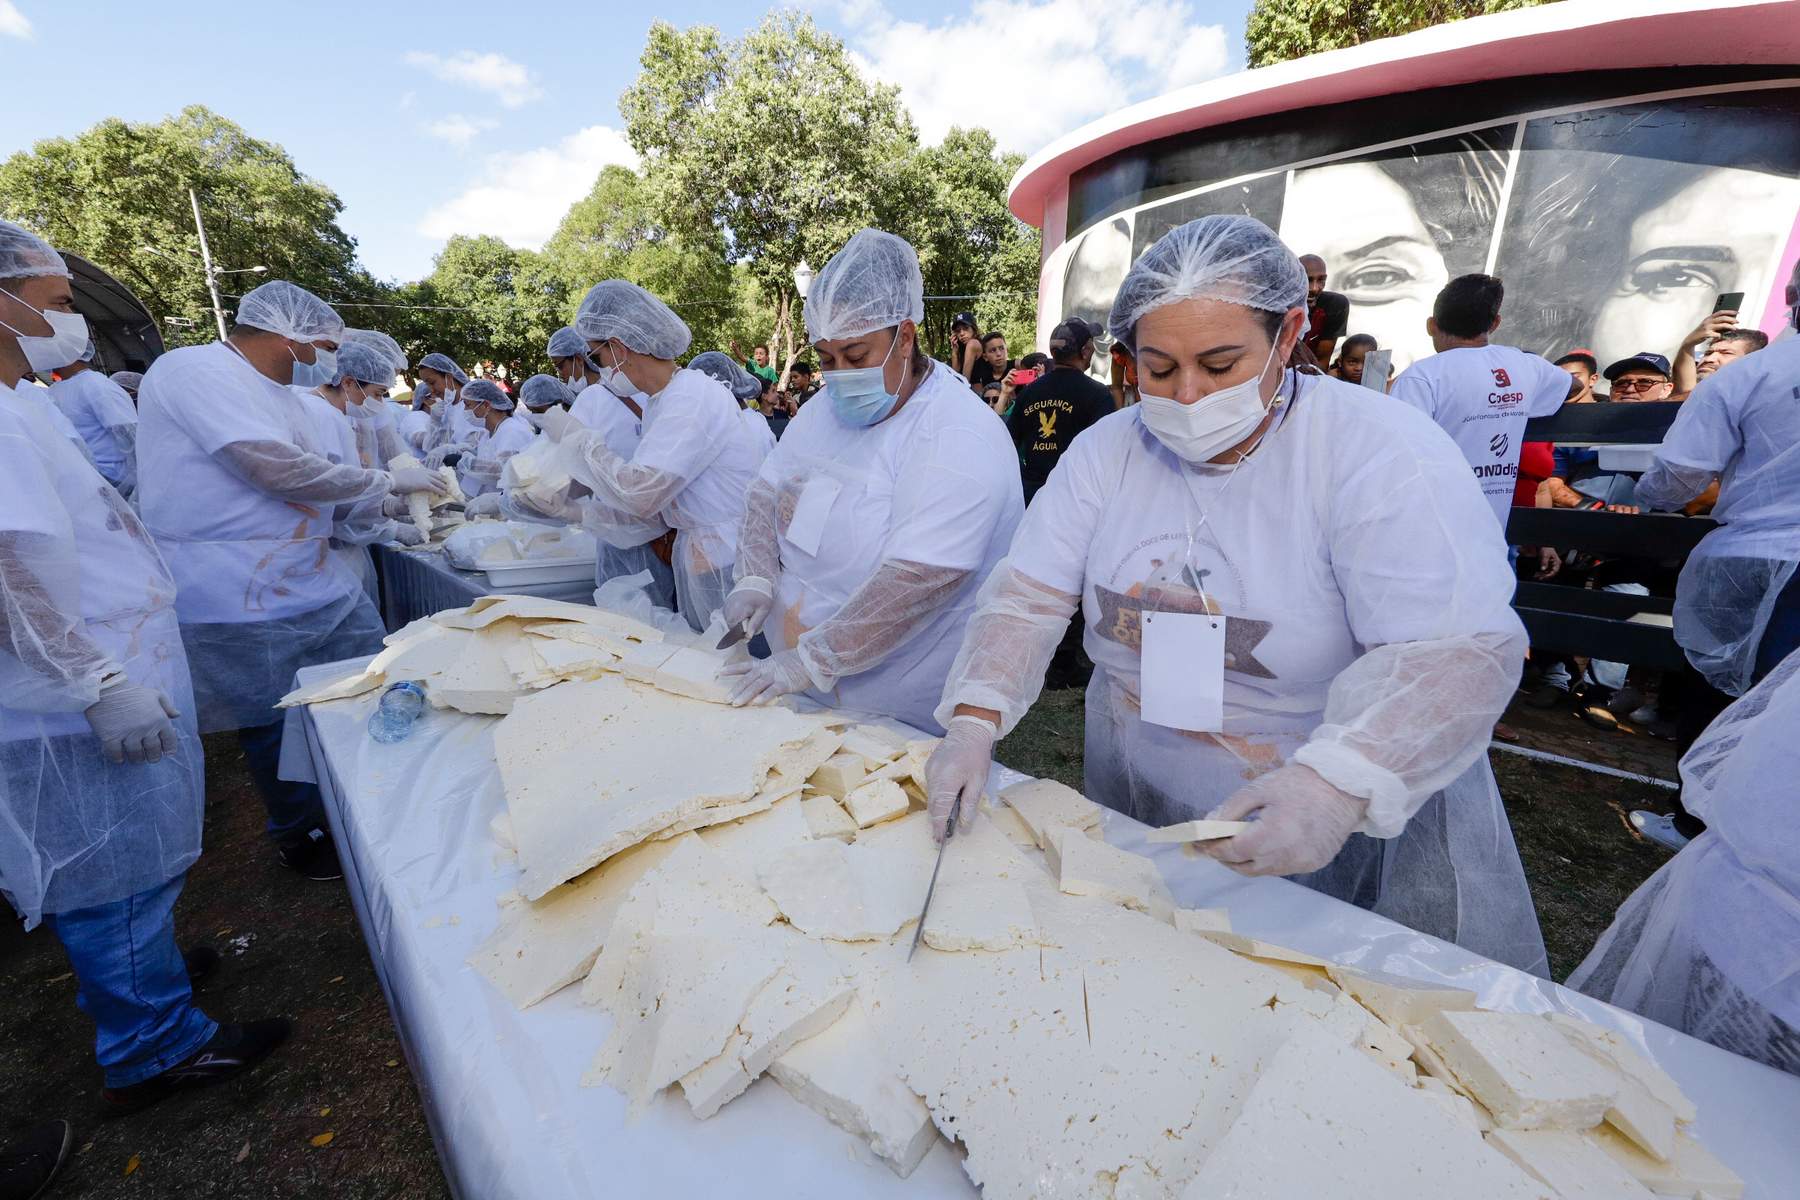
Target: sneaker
{"x": 29, "y": 1166}
{"x": 1626, "y": 700}
{"x": 1658, "y": 828}
{"x": 314, "y": 856}
{"x": 201, "y": 962}
{"x": 1547, "y": 695}
{"x": 1645, "y": 714}
{"x": 232, "y": 1051}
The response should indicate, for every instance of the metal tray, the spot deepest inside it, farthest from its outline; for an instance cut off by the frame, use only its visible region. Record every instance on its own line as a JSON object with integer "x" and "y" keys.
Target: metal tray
{"x": 539, "y": 570}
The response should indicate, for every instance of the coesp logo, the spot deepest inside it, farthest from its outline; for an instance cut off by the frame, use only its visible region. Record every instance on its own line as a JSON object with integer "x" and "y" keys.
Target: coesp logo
{"x": 1498, "y": 443}
{"x": 1501, "y": 378}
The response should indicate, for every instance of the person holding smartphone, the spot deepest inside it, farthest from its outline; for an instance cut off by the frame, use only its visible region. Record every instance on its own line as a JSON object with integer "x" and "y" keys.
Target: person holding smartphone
{"x": 1048, "y": 411}
{"x": 1724, "y": 342}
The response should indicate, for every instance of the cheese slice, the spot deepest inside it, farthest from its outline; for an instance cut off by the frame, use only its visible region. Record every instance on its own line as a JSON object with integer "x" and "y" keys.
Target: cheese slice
{"x": 875, "y": 745}
{"x": 1690, "y": 1170}
{"x": 1046, "y": 806}
{"x": 873, "y": 803}
{"x": 1397, "y": 1000}
{"x": 1520, "y": 1068}
{"x": 1085, "y": 867}
{"x": 1198, "y": 831}
{"x": 981, "y": 901}
{"x": 1612, "y": 1048}
{"x": 840, "y": 775}
{"x": 356, "y": 683}
{"x": 1202, "y": 920}
{"x": 1006, "y": 818}
{"x": 861, "y": 892}
{"x": 692, "y": 671}
{"x": 827, "y": 819}
{"x": 796, "y": 763}
{"x": 1573, "y": 1167}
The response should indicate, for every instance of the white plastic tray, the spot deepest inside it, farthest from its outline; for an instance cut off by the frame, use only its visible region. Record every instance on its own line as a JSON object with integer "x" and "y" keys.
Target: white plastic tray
{"x": 539, "y": 570}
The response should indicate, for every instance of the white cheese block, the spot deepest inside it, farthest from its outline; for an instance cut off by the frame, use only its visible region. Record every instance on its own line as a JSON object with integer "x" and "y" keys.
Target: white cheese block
{"x": 1198, "y": 831}
{"x": 796, "y": 764}
{"x": 721, "y": 813}
{"x": 862, "y": 892}
{"x": 641, "y": 660}
{"x": 873, "y": 803}
{"x": 566, "y": 659}
{"x": 1519, "y": 1067}
{"x": 875, "y": 745}
{"x": 1642, "y": 1118}
{"x": 1452, "y": 1101}
{"x": 981, "y": 901}
{"x": 1611, "y": 1048}
{"x": 1397, "y": 1000}
{"x": 1257, "y": 948}
{"x": 839, "y": 775}
{"x": 1322, "y": 1120}
{"x": 1085, "y": 867}
{"x": 842, "y": 1074}
{"x": 749, "y": 843}
{"x": 692, "y": 671}
{"x": 1690, "y": 1170}
{"x": 1568, "y": 1163}
{"x": 827, "y": 819}
{"x": 1046, "y": 806}
{"x": 356, "y": 683}
{"x": 1202, "y": 920}
{"x": 1007, "y": 820}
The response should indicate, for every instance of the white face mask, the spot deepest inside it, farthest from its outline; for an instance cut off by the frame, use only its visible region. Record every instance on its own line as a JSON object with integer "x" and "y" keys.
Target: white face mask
{"x": 1210, "y": 425}
{"x": 68, "y": 338}
{"x": 578, "y": 384}
{"x": 614, "y": 380}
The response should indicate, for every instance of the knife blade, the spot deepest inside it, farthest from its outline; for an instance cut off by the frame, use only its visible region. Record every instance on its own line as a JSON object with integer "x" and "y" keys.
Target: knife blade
{"x": 949, "y": 832}
{"x": 732, "y": 637}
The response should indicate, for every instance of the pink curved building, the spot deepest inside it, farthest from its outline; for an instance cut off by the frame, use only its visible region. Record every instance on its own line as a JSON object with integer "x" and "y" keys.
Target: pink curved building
{"x": 1621, "y": 165}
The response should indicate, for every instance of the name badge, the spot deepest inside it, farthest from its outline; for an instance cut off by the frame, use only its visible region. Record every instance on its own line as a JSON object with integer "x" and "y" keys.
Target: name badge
{"x": 810, "y": 513}
{"x": 1183, "y": 671}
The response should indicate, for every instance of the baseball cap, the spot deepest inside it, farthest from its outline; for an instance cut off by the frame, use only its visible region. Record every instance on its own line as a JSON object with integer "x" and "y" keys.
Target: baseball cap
{"x": 1072, "y": 334}
{"x": 1643, "y": 360}
{"x": 1582, "y": 355}
{"x": 964, "y": 318}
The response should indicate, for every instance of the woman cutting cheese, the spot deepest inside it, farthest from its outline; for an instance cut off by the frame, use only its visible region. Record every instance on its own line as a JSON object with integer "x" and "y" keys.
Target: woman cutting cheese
{"x": 1296, "y": 602}
{"x": 874, "y": 520}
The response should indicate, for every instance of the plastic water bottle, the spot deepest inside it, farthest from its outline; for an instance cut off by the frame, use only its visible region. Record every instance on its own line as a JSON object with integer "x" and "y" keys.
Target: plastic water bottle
{"x": 393, "y": 718}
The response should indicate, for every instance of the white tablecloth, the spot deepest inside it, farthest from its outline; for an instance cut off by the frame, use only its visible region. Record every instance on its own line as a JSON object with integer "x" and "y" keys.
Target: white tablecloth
{"x": 417, "y": 583}
{"x": 502, "y": 1088}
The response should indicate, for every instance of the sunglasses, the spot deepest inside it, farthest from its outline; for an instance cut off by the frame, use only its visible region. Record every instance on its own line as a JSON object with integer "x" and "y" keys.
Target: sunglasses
{"x": 1637, "y": 385}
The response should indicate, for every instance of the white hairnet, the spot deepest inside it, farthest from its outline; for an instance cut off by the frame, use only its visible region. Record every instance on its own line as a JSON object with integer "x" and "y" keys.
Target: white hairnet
{"x": 364, "y": 363}
{"x": 1235, "y": 259}
{"x": 129, "y": 380}
{"x": 25, "y": 255}
{"x": 542, "y": 391}
{"x": 566, "y": 343}
{"x": 486, "y": 391}
{"x": 444, "y": 363}
{"x": 728, "y": 371}
{"x": 873, "y": 283}
{"x": 291, "y": 311}
{"x": 616, "y": 309}
{"x": 379, "y": 341}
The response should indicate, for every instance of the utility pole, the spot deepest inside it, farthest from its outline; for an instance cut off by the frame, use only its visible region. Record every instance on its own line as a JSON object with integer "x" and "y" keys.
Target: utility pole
{"x": 212, "y": 281}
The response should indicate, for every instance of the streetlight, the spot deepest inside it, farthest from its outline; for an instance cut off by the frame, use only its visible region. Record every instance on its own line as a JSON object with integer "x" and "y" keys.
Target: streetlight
{"x": 206, "y": 264}
{"x": 803, "y": 278}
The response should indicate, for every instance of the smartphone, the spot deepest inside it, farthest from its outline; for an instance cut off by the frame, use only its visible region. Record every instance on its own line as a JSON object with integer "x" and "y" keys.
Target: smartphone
{"x": 1025, "y": 375}
{"x": 1729, "y": 302}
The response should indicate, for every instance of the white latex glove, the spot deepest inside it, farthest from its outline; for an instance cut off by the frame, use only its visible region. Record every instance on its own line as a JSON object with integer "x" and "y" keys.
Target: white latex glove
{"x": 553, "y": 422}
{"x": 485, "y": 505}
{"x": 394, "y": 508}
{"x": 760, "y": 682}
{"x": 408, "y": 535}
{"x": 417, "y": 479}
{"x": 435, "y": 459}
{"x": 748, "y": 605}
{"x": 959, "y": 767}
{"x": 133, "y": 723}
{"x": 1299, "y": 823}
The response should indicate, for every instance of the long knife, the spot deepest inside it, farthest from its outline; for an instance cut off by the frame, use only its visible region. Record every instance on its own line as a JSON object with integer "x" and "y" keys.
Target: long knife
{"x": 733, "y": 636}
{"x": 949, "y": 832}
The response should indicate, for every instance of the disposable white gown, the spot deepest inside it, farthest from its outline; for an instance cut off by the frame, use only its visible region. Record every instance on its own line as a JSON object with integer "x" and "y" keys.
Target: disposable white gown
{"x": 921, "y": 508}
{"x": 244, "y": 517}
{"x": 478, "y": 472}
{"x": 40, "y": 399}
{"x": 626, "y": 542}
{"x": 377, "y": 435}
{"x": 354, "y": 527}
{"x": 415, "y": 430}
{"x": 760, "y": 434}
{"x": 1367, "y": 636}
{"x": 691, "y": 470}
{"x": 83, "y": 594}
{"x": 1710, "y": 944}
{"x": 103, "y": 415}
{"x": 1742, "y": 426}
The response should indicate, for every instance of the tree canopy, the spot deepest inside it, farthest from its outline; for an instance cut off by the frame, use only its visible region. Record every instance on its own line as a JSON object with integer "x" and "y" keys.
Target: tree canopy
{"x": 1279, "y": 30}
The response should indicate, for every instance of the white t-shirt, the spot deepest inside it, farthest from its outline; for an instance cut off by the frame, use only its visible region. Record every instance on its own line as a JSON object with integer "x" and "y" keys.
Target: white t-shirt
{"x": 1482, "y": 396}
{"x": 415, "y": 429}
{"x": 937, "y": 483}
{"x": 95, "y": 407}
{"x": 507, "y": 439}
{"x": 331, "y": 432}
{"x": 693, "y": 429}
{"x": 620, "y": 428}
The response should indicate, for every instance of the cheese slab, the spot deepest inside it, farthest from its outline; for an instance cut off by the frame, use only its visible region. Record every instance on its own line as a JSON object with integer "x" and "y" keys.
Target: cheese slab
{"x": 1046, "y": 806}
{"x": 861, "y": 892}
{"x": 1202, "y": 920}
{"x": 981, "y": 902}
{"x": 1397, "y": 1000}
{"x": 873, "y": 803}
{"x": 875, "y": 745}
{"x": 1689, "y": 1171}
{"x": 1611, "y": 1048}
{"x": 839, "y": 775}
{"x": 827, "y": 819}
{"x": 1573, "y": 1167}
{"x": 1519, "y": 1067}
{"x": 1197, "y": 831}
{"x": 1086, "y": 867}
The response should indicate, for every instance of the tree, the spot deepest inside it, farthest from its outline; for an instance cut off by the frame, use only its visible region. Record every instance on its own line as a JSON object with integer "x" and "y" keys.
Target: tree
{"x": 486, "y": 302}
{"x": 108, "y": 193}
{"x": 775, "y": 142}
{"x": 1279, "y": 30}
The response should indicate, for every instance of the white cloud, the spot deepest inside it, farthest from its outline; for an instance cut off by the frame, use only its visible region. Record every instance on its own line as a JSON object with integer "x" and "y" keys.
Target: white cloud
{"x": 13, "y": 23}
{"x": 459, "y": 130}
{"x": 524, "y": 195}
{"x": 1032, "y": 70}
{"x": 508, "y": 81}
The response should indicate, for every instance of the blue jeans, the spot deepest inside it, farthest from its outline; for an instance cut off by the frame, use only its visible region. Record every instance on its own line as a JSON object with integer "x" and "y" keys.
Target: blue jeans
{"x": 132, "y": 982}
{"x": 1782, "y": 634}
{"x": 294, "y": 808}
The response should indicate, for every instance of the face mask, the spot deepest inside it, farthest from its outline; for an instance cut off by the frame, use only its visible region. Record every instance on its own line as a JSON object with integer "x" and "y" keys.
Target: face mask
{"x": 578, "y": 384}
{"x": 613, "y": 379}
{"x": 68, "y": 338}
{"x": 859, "y": 395}
{"x": 1212, "y": 424}
{"x": 317, "y": 373}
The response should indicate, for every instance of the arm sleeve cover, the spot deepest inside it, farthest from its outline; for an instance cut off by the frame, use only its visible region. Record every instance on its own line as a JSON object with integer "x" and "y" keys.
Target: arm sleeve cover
{"x": 290, "y": 473}
{"x": 1017, "y": 623}
{"x": 889, "y": 607}
{"x": 619, "y": 483}
{"x": 63, "y": 669}
{"x": 1698, "y": 447}
{"x": 759, "y": 551}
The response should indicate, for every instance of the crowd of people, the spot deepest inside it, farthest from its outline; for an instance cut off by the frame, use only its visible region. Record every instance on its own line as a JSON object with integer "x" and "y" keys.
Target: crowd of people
{"x": 1292, "y": 593}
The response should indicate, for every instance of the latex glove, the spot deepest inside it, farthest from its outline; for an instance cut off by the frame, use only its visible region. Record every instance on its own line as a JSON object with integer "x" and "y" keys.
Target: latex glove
{"x": 485, "y": 505}
{"x": 133, "y": 723}
{"x": 417, "y": 479}
{"x": 553, "y": 422}
{"x": 959, "y": 767}
{"x": 394, "y": 508}
{"x": 748, "y": 606}
{"x": 760, "y": 682}
{"x": 435, "y": 459}
{"x": 1299, "y": 823}
{"x": 408, "y": 535}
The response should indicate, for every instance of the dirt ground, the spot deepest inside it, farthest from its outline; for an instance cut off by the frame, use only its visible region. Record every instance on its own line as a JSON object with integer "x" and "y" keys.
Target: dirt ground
{"x": 293, "y": 948}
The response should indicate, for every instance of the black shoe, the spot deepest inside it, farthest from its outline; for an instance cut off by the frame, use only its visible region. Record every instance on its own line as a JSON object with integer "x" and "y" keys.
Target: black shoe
{"x": 201, "y": 962}
{"x": 29, "y": 1166}
{"x": 1547, "y": 695}
{"x": 232, "y": 1051}
{"x": 314, "y": 856}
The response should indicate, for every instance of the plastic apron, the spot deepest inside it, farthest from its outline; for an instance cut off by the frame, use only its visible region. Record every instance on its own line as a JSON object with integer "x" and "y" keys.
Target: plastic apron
{"x": 75, "y": 829}
{"x": 1453, "y": 873}
{"x": 335, "y": 437}
{"x": 624, "y": 542}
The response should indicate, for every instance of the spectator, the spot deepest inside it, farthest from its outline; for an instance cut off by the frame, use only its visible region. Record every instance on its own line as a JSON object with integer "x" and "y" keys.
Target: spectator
{"x": 801, "y": 384}
{"x": 765, "y": 399}
{"x": 1328, "y": 313}
{"x": 758, "y": 362}
{"x": 1728, "y": 347}
{"x": 965, "y": 344}
{"x": 994, "y": 364}
{"x": 1585, "y": 369}
{"x": 1481, "y": 395}
{"x": 1124, "y": 377}
{"x": 998, "y": 397}
{"x": 1349, "y": 364}
{"x": 128, "y": 380}
{"x": 1052, "y": 410}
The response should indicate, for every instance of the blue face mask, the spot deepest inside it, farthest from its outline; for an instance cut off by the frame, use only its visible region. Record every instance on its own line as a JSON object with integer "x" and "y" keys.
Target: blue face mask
{"x": 317, "y": 373}
{"x": 859, "y": 395}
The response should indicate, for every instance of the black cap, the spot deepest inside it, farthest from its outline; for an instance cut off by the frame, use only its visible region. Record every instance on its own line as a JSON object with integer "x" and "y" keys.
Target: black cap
{"x": 964, "y": 318}
{"x": 1071, "y": 335}
{"x": 1643, "y": 360}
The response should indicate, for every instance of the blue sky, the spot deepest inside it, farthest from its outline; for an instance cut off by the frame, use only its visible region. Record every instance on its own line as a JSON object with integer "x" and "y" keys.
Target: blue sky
{"x": 463, "y": 117}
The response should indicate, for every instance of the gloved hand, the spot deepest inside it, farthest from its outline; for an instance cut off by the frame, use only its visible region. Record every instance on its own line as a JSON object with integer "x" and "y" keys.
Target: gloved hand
{"x": 417, "y": 479}
{"x": 484, "y": 505}
{"x": 1299, "y": 823}
{"x": 748, "y": 605}
{"x": 408, "y": 535}
{"x": 760, "y": 682}
{"x": 133, "y": 723}
{"x": 959, "y": 767}
{"x": 394, "y": 508}
{"x": 554, "y": 421}
{"x": 435, "y": 459}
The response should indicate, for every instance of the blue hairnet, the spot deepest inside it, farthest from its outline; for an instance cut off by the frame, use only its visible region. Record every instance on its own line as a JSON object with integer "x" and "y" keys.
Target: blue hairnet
{"x": 566, "y": 343}
{"x": 625, "y": 311}
{"x": 486, "y": 391}
{"x": 380, "y": 341}
{"x": 542, "y": 391}
{"x": 726, "y": 370}
{"x": 25, "y": 255}
{"x": 1235, "y": 259}
{"x": 365, "y": 364}
{"x": 873, "y": 283}
{"x": 291, "y": 311}
{"x": 445, "y": 364}
{"x": 129, "y": 380}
